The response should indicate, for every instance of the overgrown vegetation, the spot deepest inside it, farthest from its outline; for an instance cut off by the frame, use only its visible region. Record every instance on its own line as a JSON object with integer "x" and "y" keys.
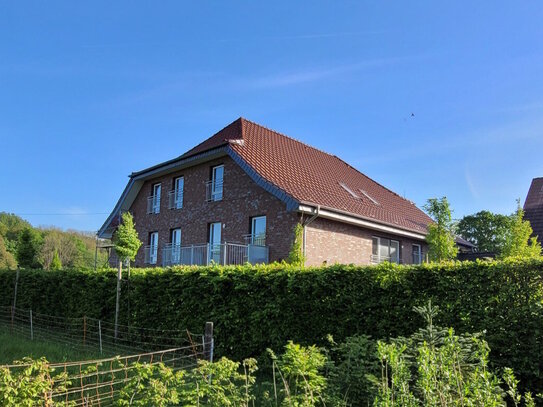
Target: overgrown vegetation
{"x": 261, "y": 307}
{"x": 441, "y": 233}
{"x": 296, "y": 255}
{"x": 519, "y": 241}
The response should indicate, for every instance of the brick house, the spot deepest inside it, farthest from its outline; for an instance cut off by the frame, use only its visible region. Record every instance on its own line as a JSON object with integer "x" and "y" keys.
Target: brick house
{"x": 533, "y": 208}
{"x": 238, "y": 196}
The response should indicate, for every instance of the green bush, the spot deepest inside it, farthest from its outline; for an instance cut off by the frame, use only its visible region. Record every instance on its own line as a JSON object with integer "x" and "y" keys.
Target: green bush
{"x": 259, "y": 307}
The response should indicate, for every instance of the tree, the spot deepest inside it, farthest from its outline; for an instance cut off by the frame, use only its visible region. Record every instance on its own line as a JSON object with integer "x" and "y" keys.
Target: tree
{"x": 11, "y": 227}
{"x": 441, "y": 236}
{"x": 127, "y": 244}
{"x": 519, "y": 242}
{"x": 28, "y": 248}
{"x": 7, "y": 261}
{"x": 56, "y": 264}
{"x": 296, "y": 256}
{"x": 487, "y": 230}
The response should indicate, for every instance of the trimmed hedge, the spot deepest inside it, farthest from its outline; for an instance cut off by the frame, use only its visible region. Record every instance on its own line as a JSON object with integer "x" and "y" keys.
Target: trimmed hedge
{"x": 264, "y": 306}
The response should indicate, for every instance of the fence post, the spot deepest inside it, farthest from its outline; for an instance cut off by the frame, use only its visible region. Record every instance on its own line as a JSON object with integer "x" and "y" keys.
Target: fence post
{"x": 100, "y": 335}
{"x": 31, "y": 327}
{"x": 208, "y": 342}
{"x": 84, "y": 330}
{"x": 224, "y": 255}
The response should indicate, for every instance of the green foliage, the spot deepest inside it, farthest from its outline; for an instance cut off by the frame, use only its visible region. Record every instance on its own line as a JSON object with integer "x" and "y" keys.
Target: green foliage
{"x": 519, "y": 242}
{"x": 487, "y": 230}
{"x": 296, "y": 256}
{"x": 56, "y": 264}
{"x": 7, "y": 261}
{"x": 259, "y": 307}
{"x": 11, "y": 226}
{"x": 126, "y": 240}
{"x": 441, "y": 236}
{"x": 28, "y": 248}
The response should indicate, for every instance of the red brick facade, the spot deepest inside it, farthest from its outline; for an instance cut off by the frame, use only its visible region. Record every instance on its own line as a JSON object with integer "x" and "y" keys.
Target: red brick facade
{"x": 330, "y": 242}
{"x": 242, "y": 200}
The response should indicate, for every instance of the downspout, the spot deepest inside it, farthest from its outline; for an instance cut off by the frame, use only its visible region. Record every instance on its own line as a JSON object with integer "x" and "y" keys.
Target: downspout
{"x": 307, "y": 222}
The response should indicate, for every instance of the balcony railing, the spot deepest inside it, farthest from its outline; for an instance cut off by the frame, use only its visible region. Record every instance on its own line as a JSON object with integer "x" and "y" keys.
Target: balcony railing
{"x": 257, "y": 240}
{"x": 175, "y": 199}
{"x": 150, "y": 254}
{"x": 205, "y": 254}
{"x": 213, "y": 191}
{"x": 153, "y": 204}
{"x": 376, "y": 259}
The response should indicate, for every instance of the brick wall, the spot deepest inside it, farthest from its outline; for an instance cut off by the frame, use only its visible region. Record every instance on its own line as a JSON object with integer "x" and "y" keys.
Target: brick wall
{"x": 334, "y": 242}
{"x": 242, "y": 199}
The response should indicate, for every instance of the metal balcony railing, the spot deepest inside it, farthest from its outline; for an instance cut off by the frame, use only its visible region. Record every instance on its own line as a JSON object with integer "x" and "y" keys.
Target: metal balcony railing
{"x": 153, "y": 204}
{"x": 376, "y": 259}
{"x": 214, "y": 190}
{"x": 150, "y": 254}
{"x": 205, "y": 254}
{"x": 257, "y": 240}
{"x": 175, "y": 199}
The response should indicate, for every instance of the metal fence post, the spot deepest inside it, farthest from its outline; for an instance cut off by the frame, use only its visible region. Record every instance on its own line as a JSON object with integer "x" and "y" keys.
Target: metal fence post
{"x": 208, "y": 342}
{"x": 100, "y": 335}
{"x": 31, "y": 327}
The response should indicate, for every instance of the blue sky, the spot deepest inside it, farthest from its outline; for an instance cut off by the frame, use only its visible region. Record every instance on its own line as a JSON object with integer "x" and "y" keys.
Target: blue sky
{"x": 90, "y": 92}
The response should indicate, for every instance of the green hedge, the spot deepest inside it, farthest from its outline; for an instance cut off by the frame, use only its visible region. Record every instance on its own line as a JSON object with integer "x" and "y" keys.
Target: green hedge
{"x": 258, "y": 307}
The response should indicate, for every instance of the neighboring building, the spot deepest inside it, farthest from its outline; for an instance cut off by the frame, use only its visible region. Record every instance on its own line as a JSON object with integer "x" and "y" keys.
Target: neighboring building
{"x": 237, "y": 197}
{"x": 533, "y": 207}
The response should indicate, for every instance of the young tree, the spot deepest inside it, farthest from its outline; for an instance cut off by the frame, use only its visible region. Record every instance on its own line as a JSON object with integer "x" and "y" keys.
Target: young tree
{"x": 127, "y": 244}
{"x": 487, "y": 230}
{"x": 7, "y": 261}
{"x": 56, "y": 264}
{"x": 28, "y": 248}
{"x": 296, "y": 255}
{"x": 440, "y": 237}
{"x": 519, "y": 242}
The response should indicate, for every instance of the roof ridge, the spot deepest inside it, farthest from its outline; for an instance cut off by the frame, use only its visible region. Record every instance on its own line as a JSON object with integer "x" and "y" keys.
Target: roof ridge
{"x": 331, "y": 155}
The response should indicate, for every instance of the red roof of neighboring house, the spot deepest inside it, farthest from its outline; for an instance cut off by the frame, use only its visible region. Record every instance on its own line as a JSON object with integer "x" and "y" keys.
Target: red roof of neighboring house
{"x": 314, "y": 177}
{"x": 533, "y": 207}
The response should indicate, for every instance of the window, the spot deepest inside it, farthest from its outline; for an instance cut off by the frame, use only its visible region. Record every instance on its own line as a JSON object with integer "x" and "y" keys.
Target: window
{"x": 176, "y": 246}
{"x": 258, "y": 231}
{"x": 152, "y": 249}
{"x": 385, "y": 250}
{"x": 214, "y": 187}
{"x": 153, "y": 202}
{"x": 417, "y": 254}
{"x": 215, "y": 242}
{"x": 176, "y": 195}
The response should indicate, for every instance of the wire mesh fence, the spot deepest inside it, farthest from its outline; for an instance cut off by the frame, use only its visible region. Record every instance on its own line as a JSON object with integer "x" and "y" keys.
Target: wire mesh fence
{"x": 92, "y": 335}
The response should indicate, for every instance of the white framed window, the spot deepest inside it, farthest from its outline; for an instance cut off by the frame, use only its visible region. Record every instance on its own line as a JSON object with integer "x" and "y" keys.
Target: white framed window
{"x": 176, "y": 194}
{"x": 215, "y": 230}
{"x": 258, "y": 231}
{"x": 153, "y": 202}
{"x": 176, "y": 245}
{"x": 153, "y": 248}
{"x": 417, "y": 253}
{"x": 217, "y": 178}
{"x": 384, "y": 249}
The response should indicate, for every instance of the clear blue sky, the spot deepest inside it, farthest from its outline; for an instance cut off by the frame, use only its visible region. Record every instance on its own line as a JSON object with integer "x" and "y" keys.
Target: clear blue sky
{"x": 91, "y": 92}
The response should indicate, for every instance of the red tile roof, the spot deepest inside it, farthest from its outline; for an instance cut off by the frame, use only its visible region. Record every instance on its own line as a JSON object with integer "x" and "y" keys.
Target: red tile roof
{"x": 533, "y": 207}
{"x": 314, "y": 177}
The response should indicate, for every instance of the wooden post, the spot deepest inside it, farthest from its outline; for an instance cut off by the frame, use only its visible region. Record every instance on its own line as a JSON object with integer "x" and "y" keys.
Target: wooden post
{"x": 119, "y": 273}
{"x": 31, "y": 327}
{"x": 208, "y": 342}
{"x": 100, "y": 335}
{"x": 84, "y": 329}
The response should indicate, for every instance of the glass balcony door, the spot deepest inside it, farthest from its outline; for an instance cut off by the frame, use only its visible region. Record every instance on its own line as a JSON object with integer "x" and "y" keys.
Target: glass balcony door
{"x": 215, "y": 242}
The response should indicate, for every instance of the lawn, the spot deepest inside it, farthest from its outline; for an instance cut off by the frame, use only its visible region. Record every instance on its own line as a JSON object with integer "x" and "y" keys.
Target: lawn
{"x": 15, "y": 347}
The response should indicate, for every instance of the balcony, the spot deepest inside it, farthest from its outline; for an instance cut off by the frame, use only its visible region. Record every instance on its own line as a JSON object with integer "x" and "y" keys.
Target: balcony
{"x": 150, "y": 254}
{"x": 257, "y": 240}
{"x": 213, "y": 191}
{"x": 224, "y": 254}
{"x": 153, "y": 204}
{"x": 175, "y": 199}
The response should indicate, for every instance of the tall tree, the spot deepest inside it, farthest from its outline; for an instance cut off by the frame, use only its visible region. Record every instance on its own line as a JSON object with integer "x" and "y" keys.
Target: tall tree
{"x": 7, "y": 261}
{"x": 519, "y": 242}
{"x": 127, "y": 244}
{"x": 11, "y": 227}
{"x": 56, "y": 264}
{"x": 487, "y": 230}
{"x": 28, "y": 248}
{"x": 441, "y": 236}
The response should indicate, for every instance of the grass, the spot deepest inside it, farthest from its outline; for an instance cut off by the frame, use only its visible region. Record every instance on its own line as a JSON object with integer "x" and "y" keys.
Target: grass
{"x": 15, "y": 347}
